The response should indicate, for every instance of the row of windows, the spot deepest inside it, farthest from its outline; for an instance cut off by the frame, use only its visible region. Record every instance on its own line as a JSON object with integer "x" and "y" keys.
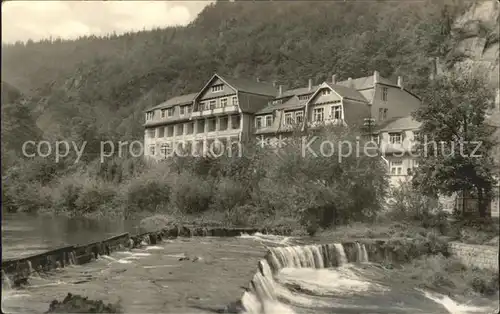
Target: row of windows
{"x": 218, "y": 103}
{"x": 167, "y": 148}
{"x": 396, "y": 167}
{"x": 169, "y": 112}
{"x": 335, "y": 114}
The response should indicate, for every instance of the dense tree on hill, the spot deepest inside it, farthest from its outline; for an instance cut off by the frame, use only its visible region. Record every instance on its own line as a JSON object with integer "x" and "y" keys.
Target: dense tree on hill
{"x": 115, "y": 78}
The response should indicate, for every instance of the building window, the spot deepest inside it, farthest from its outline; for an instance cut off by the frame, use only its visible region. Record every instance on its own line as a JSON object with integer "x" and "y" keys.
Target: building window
{"x": 234, "y": 101}
{"x": 164, "y": 149}
{"x": 182, "y": 110}
{"x": 382, "y": 113}
{"x": 395, "y": 138}
{"x": 326, "y": 91}
{"x": 223, "y": 102}
{"x": 217, "y": 88}
{"x": 152, "y": 150}
{"x": 170, "y": 112}
{"x": 277, "y": 102}
{"x": 258, "y": 122}
{"x": 396, "y": 167}
{"x": 304, "y": 97}
{"x": 150, "y": 115}
{"x": 163, "y": 113}
{"x": 299, "y": 116}
{"x": 318, "y": 114}
{"x": 288, "y": 118}
{"x": 376, "y": 139}
{"x": 151, "y": 133}
{"x": 417, "y": 137}
{"x": 269, "y": 121}
{"x": 385, "y": 91}
{"x": 212, "y": 104}
{"x": 336, "y": 112}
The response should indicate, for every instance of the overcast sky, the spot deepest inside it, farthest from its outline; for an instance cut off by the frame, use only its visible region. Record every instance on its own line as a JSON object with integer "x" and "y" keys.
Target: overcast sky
{"x": 23, "y": 20}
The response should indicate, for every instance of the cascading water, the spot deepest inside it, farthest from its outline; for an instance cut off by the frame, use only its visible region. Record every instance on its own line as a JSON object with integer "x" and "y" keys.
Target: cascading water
{"x": 341, "y": 253}
{"x": 6, "y": 283}
{"x": 361, "y": 252}
{"x": 72, "y": 258}
{"x": 264, "y": 292}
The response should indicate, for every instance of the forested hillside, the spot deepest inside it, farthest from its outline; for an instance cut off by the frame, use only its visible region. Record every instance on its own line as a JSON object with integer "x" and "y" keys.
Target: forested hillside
{"x": 105, "y": 83}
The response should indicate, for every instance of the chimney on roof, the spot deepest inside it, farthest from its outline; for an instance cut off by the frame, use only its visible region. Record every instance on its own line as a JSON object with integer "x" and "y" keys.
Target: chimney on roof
{"x": 258, "y": 79}
{"x": 349, "y": 82}
{"x": 310, "y": 84}
{"x": 376, "y": 77}
{"x": 334, "y": 79}
{"x": 274, "y": 83}
{"x": 400, "y": 82}
{"x": 280, "y": 90}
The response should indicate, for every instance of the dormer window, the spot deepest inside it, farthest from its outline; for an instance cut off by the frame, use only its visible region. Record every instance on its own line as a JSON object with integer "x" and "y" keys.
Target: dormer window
{"x": 277, "y": 102}
{"x": 288, "y": 118}
{"x": 304, "y": 97}
{"x": 263, "y": 121}
{"x": 217, "y": 88}
{"x": 299, "y": 116}
{"x": 150, "y": 115}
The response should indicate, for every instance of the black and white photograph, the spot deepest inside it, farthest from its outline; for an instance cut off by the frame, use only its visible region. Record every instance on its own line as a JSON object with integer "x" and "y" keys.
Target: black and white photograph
{"x": 250, "y": 157}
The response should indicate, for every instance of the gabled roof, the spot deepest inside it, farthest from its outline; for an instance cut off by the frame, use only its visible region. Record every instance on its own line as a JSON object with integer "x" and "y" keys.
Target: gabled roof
{"x": 366, "y": 82}
{"x": 298, "y": 91}
{"x": 250, "y": 86}
{"x": 398, "y": 124}
{"x": 177, "y": 100}
{"x": 293, "y": 103}
{"x": 346, "y": 92}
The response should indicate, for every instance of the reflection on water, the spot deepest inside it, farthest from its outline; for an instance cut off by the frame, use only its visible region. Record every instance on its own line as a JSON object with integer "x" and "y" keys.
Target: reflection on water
{"x": 30, "y": 234}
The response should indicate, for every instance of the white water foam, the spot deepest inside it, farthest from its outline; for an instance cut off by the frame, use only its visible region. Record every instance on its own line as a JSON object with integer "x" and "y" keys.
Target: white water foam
{"x": 452, "y": 306}
{"x": 154, "y": 247}
{"x": 339, "y": 281}
{"x": 270, "y": 238}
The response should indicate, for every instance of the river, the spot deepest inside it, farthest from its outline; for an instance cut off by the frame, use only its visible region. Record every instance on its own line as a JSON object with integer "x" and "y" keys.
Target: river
{"x": 203, "y": 275}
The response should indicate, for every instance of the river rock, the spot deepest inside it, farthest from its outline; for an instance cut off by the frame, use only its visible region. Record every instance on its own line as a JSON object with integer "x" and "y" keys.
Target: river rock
{"x": 78, "y": 304}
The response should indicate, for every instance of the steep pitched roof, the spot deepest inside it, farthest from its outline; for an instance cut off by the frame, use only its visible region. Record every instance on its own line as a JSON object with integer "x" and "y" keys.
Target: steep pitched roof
{"x": 298, "y": 91}
{"x": 293, "y": 103}
{"x": 398, "y": 123}
{"x": 177, "y": 100}
{"x": 347, "y": 92}
{"x": 365, "y": 82}
{"x": 250, "y": 86}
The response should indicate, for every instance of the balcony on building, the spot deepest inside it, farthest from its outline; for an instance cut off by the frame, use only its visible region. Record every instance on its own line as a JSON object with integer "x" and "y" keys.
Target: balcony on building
{"x": 216, "y": 106}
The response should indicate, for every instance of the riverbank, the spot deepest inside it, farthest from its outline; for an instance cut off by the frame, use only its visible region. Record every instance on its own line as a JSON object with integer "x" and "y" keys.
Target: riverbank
{"x": 409, "y": 263}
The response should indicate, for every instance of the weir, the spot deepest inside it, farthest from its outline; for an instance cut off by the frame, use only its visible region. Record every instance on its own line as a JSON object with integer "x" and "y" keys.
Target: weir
{"x": 16, "y": 271}
{"x": 264, "y": 291}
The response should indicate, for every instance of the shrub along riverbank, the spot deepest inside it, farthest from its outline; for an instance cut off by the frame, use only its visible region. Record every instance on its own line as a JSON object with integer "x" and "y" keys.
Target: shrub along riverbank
{"x": 262, "y": 186}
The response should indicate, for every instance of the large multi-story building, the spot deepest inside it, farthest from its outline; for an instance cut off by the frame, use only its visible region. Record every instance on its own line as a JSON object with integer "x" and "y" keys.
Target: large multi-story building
{"x": 235, "y": 109}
